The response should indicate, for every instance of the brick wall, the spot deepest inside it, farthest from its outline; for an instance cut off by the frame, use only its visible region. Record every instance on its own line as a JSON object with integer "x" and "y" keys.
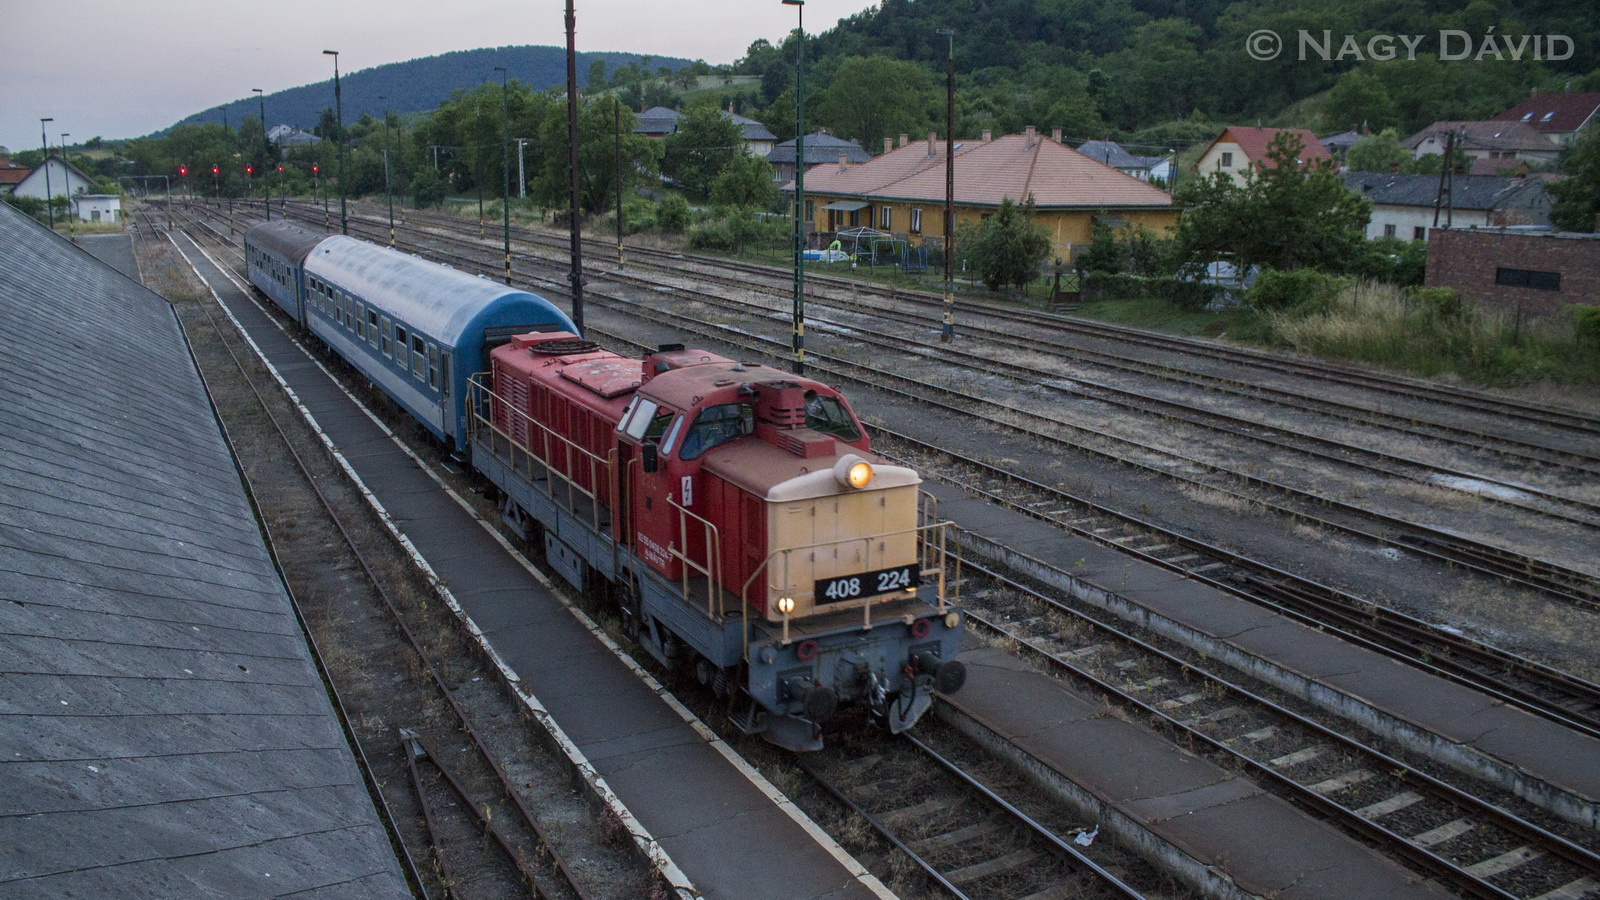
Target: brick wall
{"x": 1468, "y": 259}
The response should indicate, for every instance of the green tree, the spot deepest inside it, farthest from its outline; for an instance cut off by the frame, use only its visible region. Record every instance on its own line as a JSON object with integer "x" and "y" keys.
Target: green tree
{"x": 1578, "y": 196}
{"x": 1378, "y": 153}
{"x": 1008, "y": 248}
{"x": 705, "y": 142}
{"x": 1358, "y": 100}
{"x": 746, "y": 181}
{"x": 871, "y": 98}
{"x": 1285, "y": 216}
{"x": 597, "y": 162}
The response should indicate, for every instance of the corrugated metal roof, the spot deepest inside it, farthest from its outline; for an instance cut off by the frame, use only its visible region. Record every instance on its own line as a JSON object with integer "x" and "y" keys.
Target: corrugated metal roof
{"x": 165, "y": 733}
{"x": 1466, "y": 191}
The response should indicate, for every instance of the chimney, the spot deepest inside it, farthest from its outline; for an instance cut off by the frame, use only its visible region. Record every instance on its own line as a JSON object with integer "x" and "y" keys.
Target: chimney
{"x": 1394, "y": 168}
{"x": 1055, "y": 134}
{"x": 933, "y": 143}
{"x": 904, "y": 138}
{"x": 888, "y": 144}
{"x": 843, "y": 161}
{"x": 1030, "y": 133}
{"x": 987, "y": 135}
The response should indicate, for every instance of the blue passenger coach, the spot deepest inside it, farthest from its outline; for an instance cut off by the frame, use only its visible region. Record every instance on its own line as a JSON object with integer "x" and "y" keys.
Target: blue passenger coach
{"x": 416, "y": 329}
{"x": 274, "y": 254}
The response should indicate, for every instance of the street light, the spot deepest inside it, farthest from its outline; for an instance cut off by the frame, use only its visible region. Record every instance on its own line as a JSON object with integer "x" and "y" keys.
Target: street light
{"x": 266, "y": 189}
{"x": 49, "y": 194}
{"x": 948, "y": 332}
{"x": 505, "y": 165}
{"x": 799, "y": 187}
{"x": 386, "y": 193}
{"x": 338, "y": 104}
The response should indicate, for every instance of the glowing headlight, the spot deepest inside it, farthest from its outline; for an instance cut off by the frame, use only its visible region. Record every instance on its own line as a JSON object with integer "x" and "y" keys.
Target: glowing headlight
{"x": 853, "y": 471}
{"x": 951, "y": 620}
{"x": 786, "y": 605}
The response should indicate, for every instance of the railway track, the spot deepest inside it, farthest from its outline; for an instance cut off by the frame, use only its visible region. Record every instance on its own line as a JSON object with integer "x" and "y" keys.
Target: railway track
{"x": 1318, "y": 508}
{"x": 1537, "y": 688}
{"x": 1439, "y": 830}
{"x": 964, "y": 837}
{"x": 1509, "y": 863}
{"x": 445, "y": 710}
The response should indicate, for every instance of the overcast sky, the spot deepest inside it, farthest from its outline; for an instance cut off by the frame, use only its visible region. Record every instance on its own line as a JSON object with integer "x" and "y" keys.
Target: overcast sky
{"x": 125, "y": 68}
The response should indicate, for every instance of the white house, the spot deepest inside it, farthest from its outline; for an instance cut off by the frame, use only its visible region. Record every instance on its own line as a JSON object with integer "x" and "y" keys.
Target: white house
{"x": 1403, "y": 205}
{"x": 98, "y": 208}
{"x": 64, "y": 180}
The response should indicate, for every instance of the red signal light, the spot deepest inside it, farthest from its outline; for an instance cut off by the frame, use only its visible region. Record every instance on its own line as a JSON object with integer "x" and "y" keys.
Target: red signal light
{"x": 183, "y": 170}
{"x": 280, "y": 170}
{"x": 315, "y": 168}
{"x": 216, "y": 169}
{"x": 249, "y": 170}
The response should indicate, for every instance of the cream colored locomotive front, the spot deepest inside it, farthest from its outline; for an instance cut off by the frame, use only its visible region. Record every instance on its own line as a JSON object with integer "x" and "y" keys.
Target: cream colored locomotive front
{"x": 841, "y": 539}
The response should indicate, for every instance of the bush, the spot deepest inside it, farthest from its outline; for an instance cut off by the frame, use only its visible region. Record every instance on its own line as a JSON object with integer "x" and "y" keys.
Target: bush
{"x": 1306, "y": 290}
{"x": 1394, "y": 260}
{"x": 672, "y": 213}
{"x": 733, "y": 230}
{"x": 1586, "y": 323}
{"x": 1439, "y": 302}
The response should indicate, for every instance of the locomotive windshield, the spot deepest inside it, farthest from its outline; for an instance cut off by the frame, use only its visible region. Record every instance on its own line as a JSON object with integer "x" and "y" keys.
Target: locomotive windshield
{"x": 828, "y": 415}
{"x": 718, "y": 425}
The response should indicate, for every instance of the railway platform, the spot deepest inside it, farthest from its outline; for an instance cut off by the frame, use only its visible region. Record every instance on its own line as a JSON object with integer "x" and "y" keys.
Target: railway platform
{"x": 707, "y": 810}
{"x": 1551, "y": 765}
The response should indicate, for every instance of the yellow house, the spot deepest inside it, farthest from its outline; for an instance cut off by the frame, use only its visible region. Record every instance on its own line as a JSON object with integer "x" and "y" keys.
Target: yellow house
{"x": 902, "y": 191}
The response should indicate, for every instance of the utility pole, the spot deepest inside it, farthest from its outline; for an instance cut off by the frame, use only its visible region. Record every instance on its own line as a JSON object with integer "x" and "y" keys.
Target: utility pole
{"x": 505, "y": 164}
{"x": 948, "y": 332}
{"x": 576, "y": 275}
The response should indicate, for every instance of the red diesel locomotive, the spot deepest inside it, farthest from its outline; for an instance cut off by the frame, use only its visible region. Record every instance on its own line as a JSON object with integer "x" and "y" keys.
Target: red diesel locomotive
{"x": 739, "y": 517}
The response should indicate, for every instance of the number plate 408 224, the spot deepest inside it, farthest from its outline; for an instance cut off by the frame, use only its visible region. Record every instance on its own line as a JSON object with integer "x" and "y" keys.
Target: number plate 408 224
{"x": 866, "y": 584}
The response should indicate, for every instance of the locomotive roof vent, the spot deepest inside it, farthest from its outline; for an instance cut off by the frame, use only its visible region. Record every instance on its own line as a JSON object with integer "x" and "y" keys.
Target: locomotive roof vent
{"x": 783, "y": 403}
{"x": 563, "y": 347}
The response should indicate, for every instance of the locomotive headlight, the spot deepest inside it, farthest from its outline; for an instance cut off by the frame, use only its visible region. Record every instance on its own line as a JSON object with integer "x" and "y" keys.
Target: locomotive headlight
{"x": 786, "y": 605}
{"x": 951, "y": 620}
{"x": 852, "y": 471}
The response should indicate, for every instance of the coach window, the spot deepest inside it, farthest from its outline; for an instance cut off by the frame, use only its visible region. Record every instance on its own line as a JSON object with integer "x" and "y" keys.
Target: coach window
{"x": 400, "y": 348}
{"x": 718, "y": 425}
{"x": 372, "y": 328}
{"x": 433, "y": 365}
{"x": 419, "y": 356}
{"x": 385, "y": 328}
{"x": 828, "y": 415}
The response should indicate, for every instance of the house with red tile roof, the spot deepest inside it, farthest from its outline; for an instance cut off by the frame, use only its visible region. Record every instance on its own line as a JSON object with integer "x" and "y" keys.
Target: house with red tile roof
{"x": 1559, "y": 117}
{"x": 11, "y": 175}
{"x": 902, "y": 191}
{"x": 1241, "y": 148}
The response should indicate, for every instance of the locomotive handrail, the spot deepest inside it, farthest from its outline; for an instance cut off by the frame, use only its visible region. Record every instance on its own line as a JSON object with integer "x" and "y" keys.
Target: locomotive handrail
{"x": 481, "y": 397}
{"x": 712, "y": 570}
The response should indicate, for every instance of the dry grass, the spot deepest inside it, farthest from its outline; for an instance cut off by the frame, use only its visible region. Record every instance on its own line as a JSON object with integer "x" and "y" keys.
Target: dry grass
{"x": 1219, "y": 500}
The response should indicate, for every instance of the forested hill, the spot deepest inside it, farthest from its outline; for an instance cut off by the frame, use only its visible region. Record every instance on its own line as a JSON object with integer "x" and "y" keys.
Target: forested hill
{"x": 421, "y": 84}
{"x": 1141, "y": 63}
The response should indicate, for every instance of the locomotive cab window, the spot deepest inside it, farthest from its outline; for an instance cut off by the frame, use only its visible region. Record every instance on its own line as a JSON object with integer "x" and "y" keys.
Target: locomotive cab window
{"x": 717, "y": 425}
{"x": 829, "y": 416}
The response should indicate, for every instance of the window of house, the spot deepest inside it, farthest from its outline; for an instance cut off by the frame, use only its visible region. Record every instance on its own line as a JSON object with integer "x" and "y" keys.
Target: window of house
{"x": 1527, "y": 117}
{"x": 1418, "y": 233}
{"x": 1528, "y": 278}
{"x": 1388, "y": 231}
{"x": 916, "y": 221}
{"x": 885, "y": 217}
{"x": 1227, "y": 160}
{"x": 811, "y": 211}
{"x": 1547, "y": 116}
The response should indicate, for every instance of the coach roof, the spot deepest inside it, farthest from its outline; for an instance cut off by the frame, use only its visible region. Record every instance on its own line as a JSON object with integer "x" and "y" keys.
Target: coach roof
{"x": 436, "y": 300}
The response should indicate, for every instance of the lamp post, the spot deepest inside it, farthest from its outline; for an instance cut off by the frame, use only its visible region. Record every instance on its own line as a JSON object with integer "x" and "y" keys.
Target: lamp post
{"x": 948, "y": 332}
{"x": 338, "y": 106}
{"x": 576, "y": 251}
{"x": 616, "y": 130}
{"x": 71, "y": 214}
{"x": 266, "y": 189}
{"x": 49, "y": 194}
{"x": 799, "y": 187}
{"x": 505, "y": 166}
{"x": 387, "y": 194}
